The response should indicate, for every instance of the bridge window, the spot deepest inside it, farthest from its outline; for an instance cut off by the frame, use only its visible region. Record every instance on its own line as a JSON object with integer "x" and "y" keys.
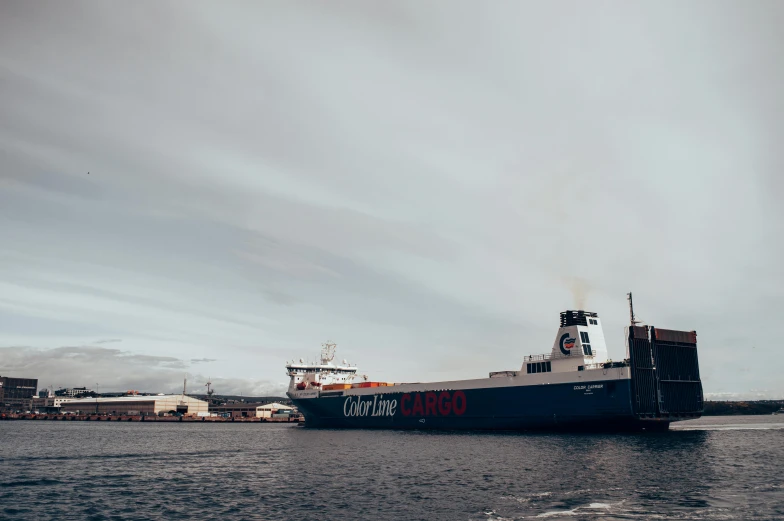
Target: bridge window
{"x": 539, "y": 367}
{"x": 586, "y": 343}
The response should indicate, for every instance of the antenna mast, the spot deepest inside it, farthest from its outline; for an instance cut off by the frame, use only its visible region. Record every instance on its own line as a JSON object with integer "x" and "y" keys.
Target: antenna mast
{"x": 631, "y": 308}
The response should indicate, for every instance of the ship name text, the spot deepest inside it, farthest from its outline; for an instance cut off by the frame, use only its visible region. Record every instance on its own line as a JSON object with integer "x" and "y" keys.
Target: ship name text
{"x": 431, "y": 403}
{"x": 355, "y": 406}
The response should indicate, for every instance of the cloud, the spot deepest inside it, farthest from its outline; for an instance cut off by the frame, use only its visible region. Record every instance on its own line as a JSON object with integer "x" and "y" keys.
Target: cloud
{"x": 116, "y": 370}
{"x": 428, "y": 199}
{"x": 202, "y": 360}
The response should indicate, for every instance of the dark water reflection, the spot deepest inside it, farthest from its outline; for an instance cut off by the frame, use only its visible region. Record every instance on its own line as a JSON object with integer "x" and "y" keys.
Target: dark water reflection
{"x": 714, "y": 468}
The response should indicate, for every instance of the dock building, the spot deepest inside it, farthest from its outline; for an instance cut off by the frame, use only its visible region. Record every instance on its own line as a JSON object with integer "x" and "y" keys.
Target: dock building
{"x": 273, "y": 410}
{"x": 135, "y": 405}
{"x": 235, "y": 409}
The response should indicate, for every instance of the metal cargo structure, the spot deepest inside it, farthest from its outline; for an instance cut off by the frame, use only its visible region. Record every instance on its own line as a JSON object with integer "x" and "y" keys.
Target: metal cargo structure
{"x": 665, "y": 373}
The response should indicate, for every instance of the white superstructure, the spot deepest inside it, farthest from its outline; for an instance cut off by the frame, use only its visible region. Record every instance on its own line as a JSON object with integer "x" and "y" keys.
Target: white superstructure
{"x": 306, "y": 376}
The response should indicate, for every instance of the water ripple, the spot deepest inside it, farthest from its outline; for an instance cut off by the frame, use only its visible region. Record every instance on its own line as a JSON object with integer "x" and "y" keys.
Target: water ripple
{"x": 710, "y": 469}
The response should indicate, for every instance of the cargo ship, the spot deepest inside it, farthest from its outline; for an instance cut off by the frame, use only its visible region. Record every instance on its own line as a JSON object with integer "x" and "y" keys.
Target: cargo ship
{"x": 573, "y": 387}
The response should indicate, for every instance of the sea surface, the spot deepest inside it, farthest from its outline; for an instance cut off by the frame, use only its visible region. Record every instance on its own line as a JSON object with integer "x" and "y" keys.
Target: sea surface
{"x": 711, "y": 468}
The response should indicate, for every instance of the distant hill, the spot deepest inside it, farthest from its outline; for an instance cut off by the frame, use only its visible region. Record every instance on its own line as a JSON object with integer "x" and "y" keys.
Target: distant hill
{"x": 749, "y": 407}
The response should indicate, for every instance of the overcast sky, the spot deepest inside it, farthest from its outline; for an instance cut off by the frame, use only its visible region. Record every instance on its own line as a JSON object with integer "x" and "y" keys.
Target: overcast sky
{"x": 428, "y": 184}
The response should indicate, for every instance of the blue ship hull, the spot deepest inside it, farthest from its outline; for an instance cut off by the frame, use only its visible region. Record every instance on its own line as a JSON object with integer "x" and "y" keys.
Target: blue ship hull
{"x": 601, "y": 405}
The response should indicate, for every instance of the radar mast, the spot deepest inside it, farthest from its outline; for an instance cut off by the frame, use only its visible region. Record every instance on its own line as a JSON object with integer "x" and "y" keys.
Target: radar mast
{"x": 327, "y": 352}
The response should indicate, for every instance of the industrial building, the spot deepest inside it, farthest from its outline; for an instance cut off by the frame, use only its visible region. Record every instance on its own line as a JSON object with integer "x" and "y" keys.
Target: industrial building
{"x": 136, "y": 405}
{"x": 45, "y": 405}
{"x": 235, "y": 409}
{"x": 16, "y": 394}
{"x": 270, "y": 410}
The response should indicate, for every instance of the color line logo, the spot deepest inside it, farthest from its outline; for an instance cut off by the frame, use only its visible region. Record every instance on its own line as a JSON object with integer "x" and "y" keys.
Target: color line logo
{"x": 566, "y": 344}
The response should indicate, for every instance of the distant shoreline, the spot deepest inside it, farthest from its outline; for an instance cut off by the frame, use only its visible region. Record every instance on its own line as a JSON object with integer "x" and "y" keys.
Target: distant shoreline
{"x": 751, "y": 407}
{"x": 144, "y": 419}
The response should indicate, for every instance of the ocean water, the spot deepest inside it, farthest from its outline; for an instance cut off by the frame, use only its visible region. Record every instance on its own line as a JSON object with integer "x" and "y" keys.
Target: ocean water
{"x": 711, "y": 468}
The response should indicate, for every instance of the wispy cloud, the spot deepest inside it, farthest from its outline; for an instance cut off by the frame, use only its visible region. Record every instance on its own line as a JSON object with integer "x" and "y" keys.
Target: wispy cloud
{"x": 113, "y": 369}
{"x": 278, "y": 175}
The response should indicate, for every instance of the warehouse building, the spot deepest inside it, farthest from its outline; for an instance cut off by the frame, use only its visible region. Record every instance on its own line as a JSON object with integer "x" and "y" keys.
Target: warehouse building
{"x": 270, "y": 410}
{"x": 45, "y": 405}
{"x": 135, "y": 405}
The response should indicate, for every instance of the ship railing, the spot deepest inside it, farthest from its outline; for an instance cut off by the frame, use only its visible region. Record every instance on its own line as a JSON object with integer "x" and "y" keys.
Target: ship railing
{"x": 606, "y": 365}
{"x": 534, "y": 358}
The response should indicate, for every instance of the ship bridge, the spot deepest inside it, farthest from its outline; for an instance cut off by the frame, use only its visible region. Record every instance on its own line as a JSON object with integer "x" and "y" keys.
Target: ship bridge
{"x": 578, "y": 345}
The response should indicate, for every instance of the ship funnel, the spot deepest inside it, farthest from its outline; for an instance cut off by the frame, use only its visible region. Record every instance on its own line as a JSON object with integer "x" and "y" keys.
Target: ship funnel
{"x": 577, "y": 318}
{"x": 580, "y": 339}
